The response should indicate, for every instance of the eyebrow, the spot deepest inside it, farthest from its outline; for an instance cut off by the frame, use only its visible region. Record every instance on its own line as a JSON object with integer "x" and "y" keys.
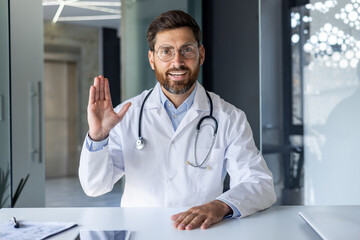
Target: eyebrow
{"x": 184, "y": 45}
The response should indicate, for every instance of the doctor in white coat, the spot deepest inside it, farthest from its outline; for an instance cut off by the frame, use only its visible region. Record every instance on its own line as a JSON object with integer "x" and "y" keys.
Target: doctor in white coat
{"x": 153, "y": 142}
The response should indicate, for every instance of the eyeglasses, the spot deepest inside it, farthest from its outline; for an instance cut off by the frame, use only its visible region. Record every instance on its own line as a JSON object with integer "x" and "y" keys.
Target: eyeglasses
{"x": 167, "y": 53}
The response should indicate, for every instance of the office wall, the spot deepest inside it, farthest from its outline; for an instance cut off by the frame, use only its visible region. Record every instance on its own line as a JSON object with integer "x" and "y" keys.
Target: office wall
{"x": 231, "y": 68}
{"x": 243, "y": 64}
{"x": 271, "y": 87}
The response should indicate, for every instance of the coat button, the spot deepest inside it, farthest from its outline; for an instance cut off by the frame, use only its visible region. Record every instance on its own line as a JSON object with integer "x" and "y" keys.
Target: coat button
{"x": 172, "y": 142}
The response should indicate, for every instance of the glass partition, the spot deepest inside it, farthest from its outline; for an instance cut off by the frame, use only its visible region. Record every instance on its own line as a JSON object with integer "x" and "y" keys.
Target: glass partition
{"x": 5, "y": 174}
{"x": 325, "y": 66}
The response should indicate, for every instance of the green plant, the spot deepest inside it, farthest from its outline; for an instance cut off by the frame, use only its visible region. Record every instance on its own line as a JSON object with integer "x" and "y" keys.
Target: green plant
{"x": 4, "y": 185}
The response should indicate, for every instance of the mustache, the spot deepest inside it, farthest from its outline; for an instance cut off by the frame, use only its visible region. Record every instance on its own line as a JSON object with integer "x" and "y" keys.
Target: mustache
{"x": 181, "y": 68}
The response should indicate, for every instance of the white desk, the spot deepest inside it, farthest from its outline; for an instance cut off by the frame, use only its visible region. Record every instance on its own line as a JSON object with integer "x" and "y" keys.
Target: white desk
{"x": 154, "y": 223}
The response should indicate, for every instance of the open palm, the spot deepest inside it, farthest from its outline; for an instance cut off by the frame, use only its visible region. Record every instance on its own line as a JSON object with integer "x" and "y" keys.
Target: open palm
{"x": 101, "y": 115}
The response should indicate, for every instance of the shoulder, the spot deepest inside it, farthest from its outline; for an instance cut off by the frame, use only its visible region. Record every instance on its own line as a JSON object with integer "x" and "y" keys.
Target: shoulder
{"x": 222, "y": 107}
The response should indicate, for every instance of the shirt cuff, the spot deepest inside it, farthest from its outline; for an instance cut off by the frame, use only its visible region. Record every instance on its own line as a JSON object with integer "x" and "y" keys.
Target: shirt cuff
{"x": 236, "y": 212}
{"x": 94, "y": 146}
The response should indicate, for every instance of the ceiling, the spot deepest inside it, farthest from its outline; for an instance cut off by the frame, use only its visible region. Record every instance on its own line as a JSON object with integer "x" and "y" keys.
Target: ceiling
{"x": 97, "y": 13}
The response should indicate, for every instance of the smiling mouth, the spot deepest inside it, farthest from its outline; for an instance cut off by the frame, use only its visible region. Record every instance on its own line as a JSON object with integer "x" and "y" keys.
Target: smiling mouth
{"x": 177, "y": 74}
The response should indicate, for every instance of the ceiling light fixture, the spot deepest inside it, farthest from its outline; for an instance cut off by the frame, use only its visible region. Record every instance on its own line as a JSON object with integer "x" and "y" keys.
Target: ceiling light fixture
{"x": 96, "y": 8}
{"x": 105, "y": 7}
{"x": 58, "y": 12}
{"x": 89, "y": 18}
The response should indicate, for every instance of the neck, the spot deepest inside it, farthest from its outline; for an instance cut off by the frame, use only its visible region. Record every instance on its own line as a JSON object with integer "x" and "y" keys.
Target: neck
{"x": 177, "y": 99}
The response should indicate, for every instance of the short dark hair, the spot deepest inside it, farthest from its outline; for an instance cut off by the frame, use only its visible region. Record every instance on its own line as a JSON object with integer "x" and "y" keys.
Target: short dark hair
{"x": 171, "y": 20}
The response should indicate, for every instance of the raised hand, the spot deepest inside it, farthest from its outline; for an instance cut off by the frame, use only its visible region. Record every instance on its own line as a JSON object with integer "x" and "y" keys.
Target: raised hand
{"x": 101, "y": 115}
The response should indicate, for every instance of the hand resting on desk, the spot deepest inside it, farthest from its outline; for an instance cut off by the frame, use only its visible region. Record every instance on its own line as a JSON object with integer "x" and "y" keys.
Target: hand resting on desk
{"x": 201, "y": 216}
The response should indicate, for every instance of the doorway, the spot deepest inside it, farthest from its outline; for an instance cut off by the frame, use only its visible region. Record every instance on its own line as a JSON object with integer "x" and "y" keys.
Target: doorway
{"x": 61, "y": 118}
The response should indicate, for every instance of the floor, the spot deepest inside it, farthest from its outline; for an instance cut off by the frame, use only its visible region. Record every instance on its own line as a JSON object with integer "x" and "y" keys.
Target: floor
{"x": 67, "y": 192}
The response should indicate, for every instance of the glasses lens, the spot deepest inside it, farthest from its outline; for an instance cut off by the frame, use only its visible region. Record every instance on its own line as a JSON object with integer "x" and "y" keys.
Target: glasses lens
{"x": 166, "y": 53}
{"x": 189, "y": 51}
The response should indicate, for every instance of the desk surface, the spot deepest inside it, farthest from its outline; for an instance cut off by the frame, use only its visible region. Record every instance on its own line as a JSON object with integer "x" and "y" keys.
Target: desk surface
{"x": 278, "y": 222}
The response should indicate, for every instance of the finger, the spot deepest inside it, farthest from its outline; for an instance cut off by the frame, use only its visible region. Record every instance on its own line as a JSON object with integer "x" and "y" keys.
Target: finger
{"x": 180, "y": 219}
{"x": 107, "y": 90}
{"x": 123, "y": 110}
{"x": 102, "y": 82}
{"x": 97, "y": 88}
{"x": 207, "y": 223}
{"x": 176, "y": 216}
{"x": 196, "y": 222}
{"x": 91, "y": 95}
{"x": 188, "y": 219}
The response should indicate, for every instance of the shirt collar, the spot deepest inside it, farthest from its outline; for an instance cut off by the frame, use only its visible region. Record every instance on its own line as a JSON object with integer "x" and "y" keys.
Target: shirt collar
{"x": 187, "y": 103}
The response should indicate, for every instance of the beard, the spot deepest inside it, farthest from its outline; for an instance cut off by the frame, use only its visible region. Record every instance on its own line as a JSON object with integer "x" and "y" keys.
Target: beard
{"x": 177, "y": 87}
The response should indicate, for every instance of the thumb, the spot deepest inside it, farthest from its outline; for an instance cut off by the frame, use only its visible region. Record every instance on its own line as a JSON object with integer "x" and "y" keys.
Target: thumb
{"x": 123, "y": 110}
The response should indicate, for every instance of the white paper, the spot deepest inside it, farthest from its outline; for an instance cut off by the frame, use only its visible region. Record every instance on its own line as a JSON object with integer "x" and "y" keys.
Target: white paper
{"x": 33, "y": 230}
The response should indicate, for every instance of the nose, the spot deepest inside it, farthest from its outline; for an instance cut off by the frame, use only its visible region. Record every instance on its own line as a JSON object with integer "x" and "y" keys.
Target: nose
{"x": 178, "y": 59}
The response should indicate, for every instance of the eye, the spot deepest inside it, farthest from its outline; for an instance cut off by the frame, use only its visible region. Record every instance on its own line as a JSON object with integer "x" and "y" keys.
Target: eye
{"x": 188, "y": 49}
{"x": 165, "y": 51}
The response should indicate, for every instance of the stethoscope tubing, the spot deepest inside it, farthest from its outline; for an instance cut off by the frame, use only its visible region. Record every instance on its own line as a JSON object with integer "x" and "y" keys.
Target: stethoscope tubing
{"x": 140, "y": 143}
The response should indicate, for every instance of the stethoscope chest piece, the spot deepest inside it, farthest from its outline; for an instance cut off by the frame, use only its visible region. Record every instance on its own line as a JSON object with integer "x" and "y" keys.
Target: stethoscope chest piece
{"x": 140, "y": 143}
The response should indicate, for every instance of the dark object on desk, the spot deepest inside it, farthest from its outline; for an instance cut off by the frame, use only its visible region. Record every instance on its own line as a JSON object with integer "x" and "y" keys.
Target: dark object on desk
{"x": 103, "y": 235}
{"x": 16, "y": 223}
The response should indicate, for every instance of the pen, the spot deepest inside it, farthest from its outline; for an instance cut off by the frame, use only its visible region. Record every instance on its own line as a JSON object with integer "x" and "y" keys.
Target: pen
{"x": 16, "y": 223}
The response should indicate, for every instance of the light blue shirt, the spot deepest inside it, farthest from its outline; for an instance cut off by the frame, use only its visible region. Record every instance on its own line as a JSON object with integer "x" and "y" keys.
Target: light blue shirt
{"x": 176, "y": 115}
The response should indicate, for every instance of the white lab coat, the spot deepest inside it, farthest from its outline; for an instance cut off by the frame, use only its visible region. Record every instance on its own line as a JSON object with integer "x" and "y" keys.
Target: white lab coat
{"x": 158, "y": 176}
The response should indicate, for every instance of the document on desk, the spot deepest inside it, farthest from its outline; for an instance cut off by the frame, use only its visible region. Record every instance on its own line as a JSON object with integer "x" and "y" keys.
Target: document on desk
{"x": 33, "y": 230}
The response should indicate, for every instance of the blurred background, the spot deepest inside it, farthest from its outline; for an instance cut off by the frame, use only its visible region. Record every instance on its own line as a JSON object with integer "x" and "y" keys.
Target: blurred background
{"x": 291, "y": 65}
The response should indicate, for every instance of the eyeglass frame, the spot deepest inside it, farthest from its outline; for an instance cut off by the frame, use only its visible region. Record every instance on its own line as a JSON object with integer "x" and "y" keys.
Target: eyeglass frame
{"x": 181, "y": 50}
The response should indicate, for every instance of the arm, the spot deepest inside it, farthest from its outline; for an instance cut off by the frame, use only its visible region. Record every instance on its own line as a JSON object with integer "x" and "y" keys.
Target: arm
{"x": 251, "y": 182}
{"x": 251, "y": 186}
{"x": 99, "y": 169}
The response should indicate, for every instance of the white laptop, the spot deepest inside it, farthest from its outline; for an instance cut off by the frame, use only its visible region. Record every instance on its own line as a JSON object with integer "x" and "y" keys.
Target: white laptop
{"x": 334, "y": 222}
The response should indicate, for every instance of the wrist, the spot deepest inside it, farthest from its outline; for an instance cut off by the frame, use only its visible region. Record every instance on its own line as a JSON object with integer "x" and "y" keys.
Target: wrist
{"x": 226, "y": 209}
{"x": 96, "y": 138}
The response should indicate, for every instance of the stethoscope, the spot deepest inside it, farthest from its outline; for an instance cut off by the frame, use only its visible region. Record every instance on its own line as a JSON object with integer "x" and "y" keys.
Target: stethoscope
{"x": 141, "y": 142}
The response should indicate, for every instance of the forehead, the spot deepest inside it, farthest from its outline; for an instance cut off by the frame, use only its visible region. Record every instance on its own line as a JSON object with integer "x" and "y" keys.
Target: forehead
{"x": 175, "y": 37}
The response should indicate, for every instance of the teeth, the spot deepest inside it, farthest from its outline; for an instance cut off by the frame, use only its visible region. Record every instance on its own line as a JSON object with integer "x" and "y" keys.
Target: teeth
{"x": 178, "y": 73}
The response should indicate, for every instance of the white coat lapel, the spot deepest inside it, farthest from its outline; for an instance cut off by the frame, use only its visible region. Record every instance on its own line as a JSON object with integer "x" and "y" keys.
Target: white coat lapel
{"x": 154, "y": 104}
{"x": 197, "y": 109}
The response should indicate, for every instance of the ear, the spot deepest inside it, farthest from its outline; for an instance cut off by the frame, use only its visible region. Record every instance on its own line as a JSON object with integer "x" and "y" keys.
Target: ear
{"x": 202, "y": 54}
{"x": 151, "y": 59}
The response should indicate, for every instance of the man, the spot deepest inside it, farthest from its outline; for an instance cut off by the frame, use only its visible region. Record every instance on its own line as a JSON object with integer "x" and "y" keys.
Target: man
{"x": 174, "y": 167}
